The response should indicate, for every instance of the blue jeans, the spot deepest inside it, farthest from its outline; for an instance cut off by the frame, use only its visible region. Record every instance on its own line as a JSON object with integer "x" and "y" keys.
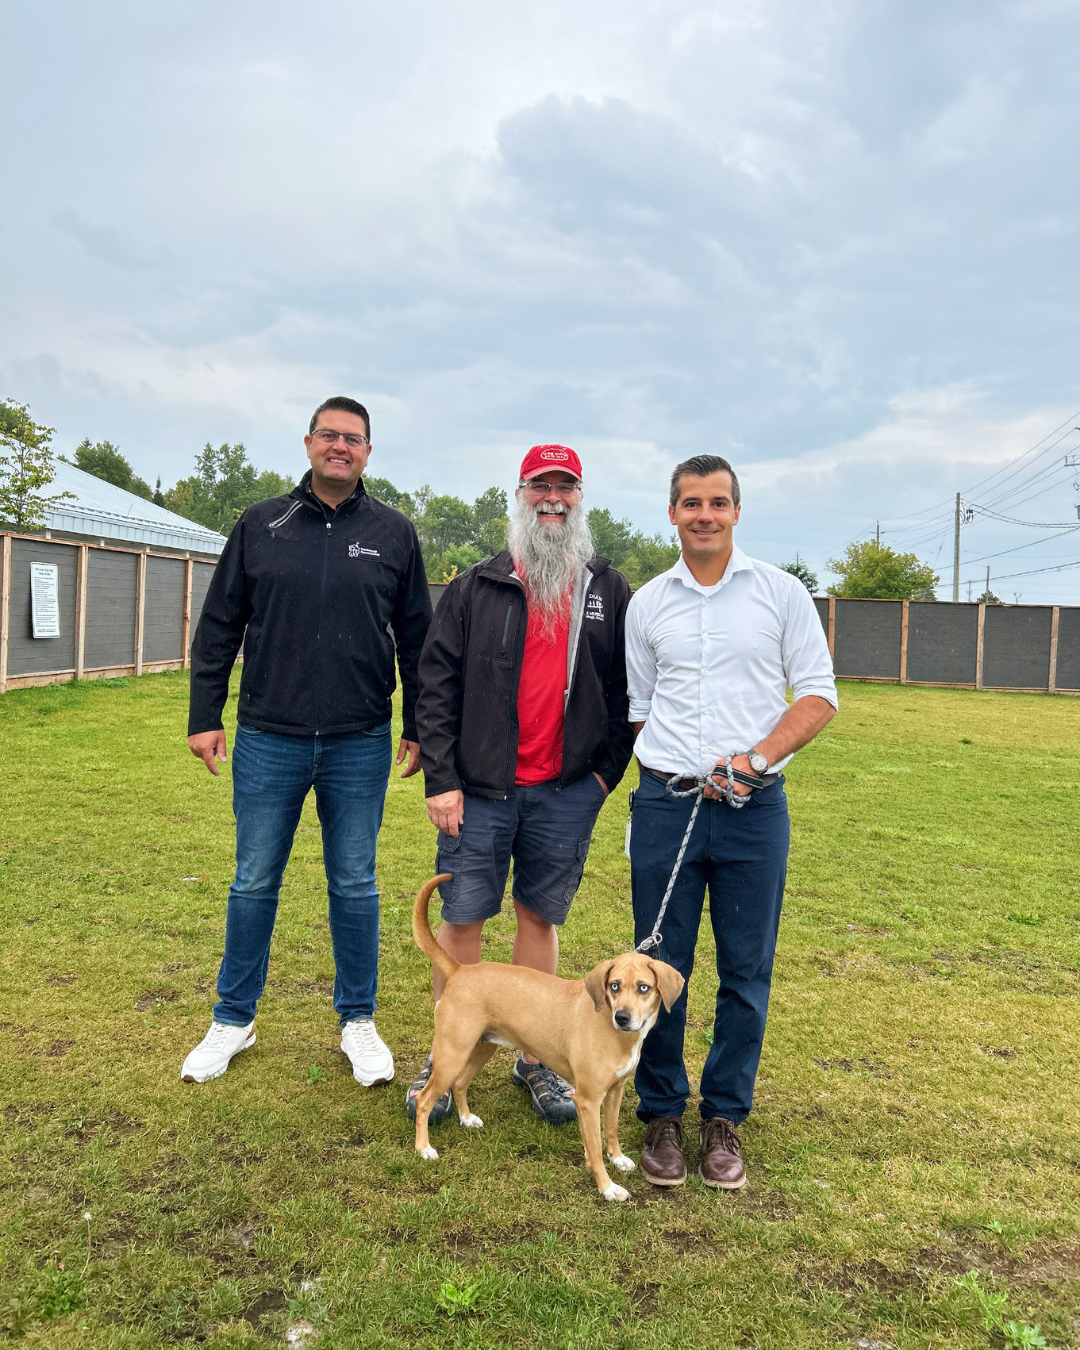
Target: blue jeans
{"x": 271, "y": 777}
{"x": 741, "y": 857}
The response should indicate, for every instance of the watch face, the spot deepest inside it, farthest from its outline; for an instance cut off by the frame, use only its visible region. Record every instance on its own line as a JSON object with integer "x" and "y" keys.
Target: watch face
{"x": 758, "y": 762}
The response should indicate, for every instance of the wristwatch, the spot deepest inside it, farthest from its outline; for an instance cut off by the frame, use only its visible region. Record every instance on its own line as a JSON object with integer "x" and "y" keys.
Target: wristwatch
{"x": 758, "y": 762}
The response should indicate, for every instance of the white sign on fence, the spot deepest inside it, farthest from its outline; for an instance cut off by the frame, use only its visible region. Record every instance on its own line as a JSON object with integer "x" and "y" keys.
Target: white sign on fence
{"x": 45, "y": 599}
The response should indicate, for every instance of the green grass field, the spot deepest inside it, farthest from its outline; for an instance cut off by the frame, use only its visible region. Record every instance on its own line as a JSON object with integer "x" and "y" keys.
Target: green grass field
{"x": 914, "y": 1157}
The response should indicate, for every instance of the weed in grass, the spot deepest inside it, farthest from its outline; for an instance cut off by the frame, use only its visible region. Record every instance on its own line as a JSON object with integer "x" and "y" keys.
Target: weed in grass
{"x": 457, "y": 1302}
{"x": 315, "y": 1074}
{"x": 992, "y": 1307}
{"x": 915, "y": 1111}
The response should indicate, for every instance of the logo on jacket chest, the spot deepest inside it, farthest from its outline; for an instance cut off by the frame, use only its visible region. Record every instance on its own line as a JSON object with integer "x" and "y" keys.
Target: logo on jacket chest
{"x": 594, "y": 607}
{"x": 355, "y": 551}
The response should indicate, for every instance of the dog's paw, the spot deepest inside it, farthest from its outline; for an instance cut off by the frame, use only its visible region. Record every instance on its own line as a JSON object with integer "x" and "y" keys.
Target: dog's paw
{"x": 615, "y": 1192}
{"x": 471, "y": 1122}
{"x": 428, "y": 1154}
{"x": 622, "y": 1162}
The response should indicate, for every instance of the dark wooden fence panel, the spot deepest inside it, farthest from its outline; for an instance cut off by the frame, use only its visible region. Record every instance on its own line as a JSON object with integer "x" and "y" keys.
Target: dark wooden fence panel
{"x": 867, "y": 639}
{"x": 28, "y": 655}
{"x": 163, "y": 609}
{"x": 201, "y": 576}
{"x": 1068, "y": 652}
{"x": 942, "y": 642}
{"x": 110, "y": 608}
{"x": 1016, "y": 647}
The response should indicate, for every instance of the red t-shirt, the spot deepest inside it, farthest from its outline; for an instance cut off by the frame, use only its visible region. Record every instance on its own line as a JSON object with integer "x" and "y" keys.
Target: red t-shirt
{"x": 540, "y": 705}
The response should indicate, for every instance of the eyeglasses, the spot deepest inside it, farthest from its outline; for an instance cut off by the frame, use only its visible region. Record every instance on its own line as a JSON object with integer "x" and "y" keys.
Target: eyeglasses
{"x": 329, "y": 438}
{"x": 563, "y": 489}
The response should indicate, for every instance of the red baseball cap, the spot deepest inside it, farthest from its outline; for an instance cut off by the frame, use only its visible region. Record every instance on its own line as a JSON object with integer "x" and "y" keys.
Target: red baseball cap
{"x": 542, "y": 458}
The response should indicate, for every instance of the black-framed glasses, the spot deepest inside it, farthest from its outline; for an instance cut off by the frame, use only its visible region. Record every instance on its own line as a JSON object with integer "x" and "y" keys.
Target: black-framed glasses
{"x": 327, "y": 438}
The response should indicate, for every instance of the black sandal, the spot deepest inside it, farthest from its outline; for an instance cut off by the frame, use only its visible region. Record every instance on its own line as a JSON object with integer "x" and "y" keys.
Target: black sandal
{"x": 442, "y": 1108}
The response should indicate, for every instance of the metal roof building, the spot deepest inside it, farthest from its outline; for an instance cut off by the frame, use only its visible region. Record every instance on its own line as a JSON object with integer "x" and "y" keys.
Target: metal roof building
{"x": 105, "y": 514}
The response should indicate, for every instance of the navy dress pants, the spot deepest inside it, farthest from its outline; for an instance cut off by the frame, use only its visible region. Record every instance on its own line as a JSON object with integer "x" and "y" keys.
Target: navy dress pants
{"x": 740, "y": 858}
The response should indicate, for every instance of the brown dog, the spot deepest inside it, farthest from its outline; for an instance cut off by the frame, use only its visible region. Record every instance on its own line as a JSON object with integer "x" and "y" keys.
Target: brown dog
{"x": 589, "y": 1031}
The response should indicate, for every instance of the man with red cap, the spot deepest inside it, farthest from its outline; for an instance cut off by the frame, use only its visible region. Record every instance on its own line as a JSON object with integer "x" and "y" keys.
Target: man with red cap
{"x": 522, "y": 721}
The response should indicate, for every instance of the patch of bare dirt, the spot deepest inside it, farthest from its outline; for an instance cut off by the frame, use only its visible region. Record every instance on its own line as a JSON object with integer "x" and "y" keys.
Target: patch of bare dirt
{"x": 269, "y": 1302}
{"x": 149, "y": 997}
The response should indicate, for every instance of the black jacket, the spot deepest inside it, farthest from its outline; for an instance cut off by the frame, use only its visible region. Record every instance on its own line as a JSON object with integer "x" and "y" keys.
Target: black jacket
{"x": 466, "y": 714}
{"x": 317, "y": 591}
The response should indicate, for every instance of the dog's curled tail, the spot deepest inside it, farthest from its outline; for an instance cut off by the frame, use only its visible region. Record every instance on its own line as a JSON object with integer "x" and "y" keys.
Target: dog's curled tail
{"x": 421, "y": 928}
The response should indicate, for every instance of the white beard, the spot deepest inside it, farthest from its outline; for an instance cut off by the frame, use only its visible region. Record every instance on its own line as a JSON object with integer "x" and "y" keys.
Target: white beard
{"x": 548, "y": 559}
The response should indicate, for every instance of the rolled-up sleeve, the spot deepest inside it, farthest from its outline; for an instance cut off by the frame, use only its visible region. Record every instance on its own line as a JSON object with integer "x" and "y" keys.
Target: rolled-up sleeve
{"x": 640, "y": 659}
{"x": 805, "y": 650}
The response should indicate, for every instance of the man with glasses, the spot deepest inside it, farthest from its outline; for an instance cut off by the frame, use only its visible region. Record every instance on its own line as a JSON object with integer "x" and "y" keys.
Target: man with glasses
{"x": 321, "y": 587}
{"x": 522, "y": 717}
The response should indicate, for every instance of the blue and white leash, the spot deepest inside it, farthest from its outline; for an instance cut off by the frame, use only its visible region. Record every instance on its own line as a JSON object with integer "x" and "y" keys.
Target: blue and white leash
{"x": 733, "y": 799}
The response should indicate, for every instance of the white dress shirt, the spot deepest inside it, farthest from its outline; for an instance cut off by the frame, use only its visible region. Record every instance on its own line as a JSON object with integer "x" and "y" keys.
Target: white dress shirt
{"x": 708, "y": 667}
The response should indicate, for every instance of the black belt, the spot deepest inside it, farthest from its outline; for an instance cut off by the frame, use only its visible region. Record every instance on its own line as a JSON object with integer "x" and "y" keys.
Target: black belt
{"x": 751, "y": 780}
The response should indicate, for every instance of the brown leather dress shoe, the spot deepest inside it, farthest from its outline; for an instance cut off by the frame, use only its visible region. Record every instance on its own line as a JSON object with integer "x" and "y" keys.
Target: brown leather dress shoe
{"x": 721, "y": 1160}
{"x": 662, "y": 1160}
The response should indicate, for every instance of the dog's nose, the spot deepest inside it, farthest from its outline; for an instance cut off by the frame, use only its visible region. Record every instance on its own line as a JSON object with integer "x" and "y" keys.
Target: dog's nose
{"x": 622, "y": 1018}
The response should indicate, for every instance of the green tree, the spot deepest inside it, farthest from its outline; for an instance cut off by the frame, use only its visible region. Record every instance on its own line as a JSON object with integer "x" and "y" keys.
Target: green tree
{"x": 456, "y": 559}
{"x": 159, "y": 497}
{"x": 225, "y": 483}
{"x": 988, "y": 598}
{"x": 873, "y": 571}
{"x": 799, "y": 569}
{"x": 446, "y": 523}
{"x": 489, "y": 522}
{"x": 639, "y": 557}
{"x": 612, "y": 539}
{"x": 105, "y": 461}
{"x": 649, "y": 557}
{"x": 26, "y": 466}
{"x": 384, "y": 491}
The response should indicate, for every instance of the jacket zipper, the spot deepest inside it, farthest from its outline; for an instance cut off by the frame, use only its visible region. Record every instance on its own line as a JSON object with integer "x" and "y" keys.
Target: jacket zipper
{"x": 318, "y": 632}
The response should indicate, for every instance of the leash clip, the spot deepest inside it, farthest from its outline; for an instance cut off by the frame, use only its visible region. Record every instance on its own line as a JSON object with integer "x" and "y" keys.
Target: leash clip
{"x": 648, "y": 944}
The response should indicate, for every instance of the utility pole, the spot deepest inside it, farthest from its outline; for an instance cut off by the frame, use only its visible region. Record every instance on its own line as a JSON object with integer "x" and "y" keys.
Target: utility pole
{"x": 969, "y": 585}
{"x": 878, "y": 533}
{"x": 988, "y": 579}
{"x": 956, "y": 555}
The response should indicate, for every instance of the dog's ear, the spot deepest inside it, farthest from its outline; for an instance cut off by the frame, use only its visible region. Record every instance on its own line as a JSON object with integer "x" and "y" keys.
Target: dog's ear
{"x": 669, "y": 982}
{"x": 596, "y": 984}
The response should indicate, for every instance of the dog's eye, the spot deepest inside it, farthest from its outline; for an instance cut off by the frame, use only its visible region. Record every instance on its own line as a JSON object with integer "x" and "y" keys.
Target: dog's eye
{"x": 644, "y": 988}
{"x": 615, "y": 986}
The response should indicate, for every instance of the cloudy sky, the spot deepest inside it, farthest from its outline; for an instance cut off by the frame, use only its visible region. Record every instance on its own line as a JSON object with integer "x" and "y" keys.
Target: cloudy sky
{"x": 833, "y": 241}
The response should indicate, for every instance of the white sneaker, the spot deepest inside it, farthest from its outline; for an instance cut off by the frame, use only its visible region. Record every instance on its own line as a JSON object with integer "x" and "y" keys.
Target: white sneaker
{"x": 211, "y": 1056}
{"x": 371, "y": 1060}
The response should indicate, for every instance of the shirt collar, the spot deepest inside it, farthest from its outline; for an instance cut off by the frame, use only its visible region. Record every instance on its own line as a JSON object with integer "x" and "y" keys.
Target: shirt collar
{"x": 738, "y": 562}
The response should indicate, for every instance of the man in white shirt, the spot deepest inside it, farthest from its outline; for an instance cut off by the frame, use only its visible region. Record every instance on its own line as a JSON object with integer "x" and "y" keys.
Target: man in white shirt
{"x": 711, "y": 648}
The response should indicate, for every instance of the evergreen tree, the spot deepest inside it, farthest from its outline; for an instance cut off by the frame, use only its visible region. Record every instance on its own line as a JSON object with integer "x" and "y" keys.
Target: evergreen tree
{"x": 105, "y": 461}
{"x": 799, "y": 569}
{"x": 225, "y": 483}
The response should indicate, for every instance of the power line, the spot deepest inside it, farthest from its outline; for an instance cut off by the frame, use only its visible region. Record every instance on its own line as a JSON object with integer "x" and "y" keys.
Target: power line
{"x": 970, "y": 562}
{"x": 997, "y": 472}
{"x": 1009, "y": 576}
{"x": 1033, "y": 524}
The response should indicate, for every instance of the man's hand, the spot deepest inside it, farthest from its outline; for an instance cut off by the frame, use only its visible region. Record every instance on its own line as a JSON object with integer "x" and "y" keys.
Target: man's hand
{"x": 412, "y": 749}
{"x": 740, "y": 762}
{"x": 208, "y": 746}
{"x": 447, "y": 811}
